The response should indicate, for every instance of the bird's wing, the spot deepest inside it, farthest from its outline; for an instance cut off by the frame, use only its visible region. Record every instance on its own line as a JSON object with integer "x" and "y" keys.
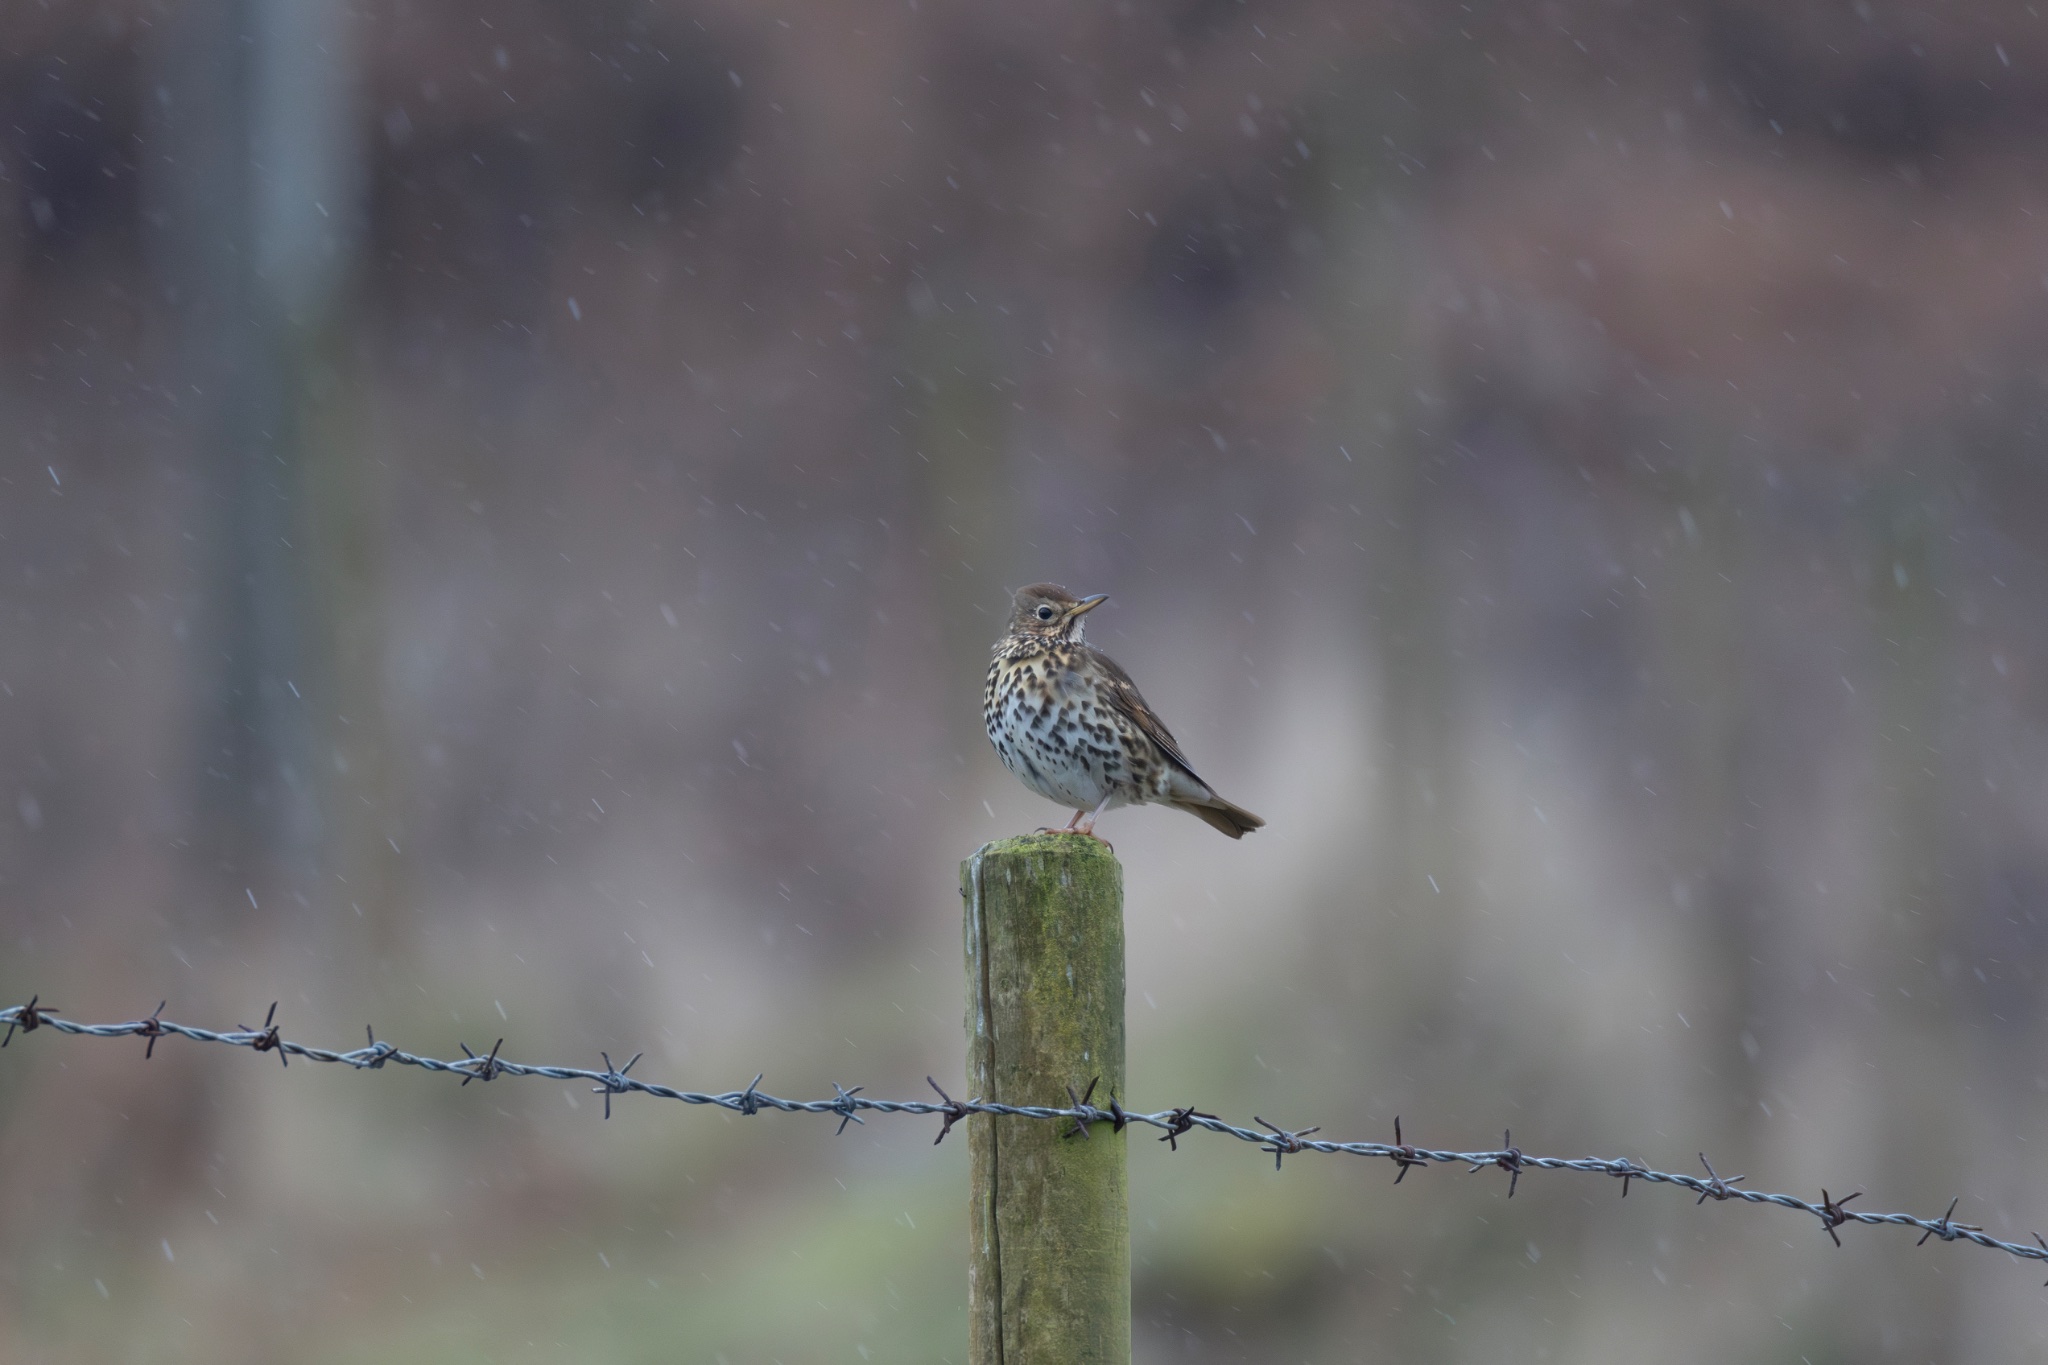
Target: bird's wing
{"x": 1124, "y": 696}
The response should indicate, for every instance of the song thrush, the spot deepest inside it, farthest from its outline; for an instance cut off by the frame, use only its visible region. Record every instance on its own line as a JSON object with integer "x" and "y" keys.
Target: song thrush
{"x": 1071, "y": 724}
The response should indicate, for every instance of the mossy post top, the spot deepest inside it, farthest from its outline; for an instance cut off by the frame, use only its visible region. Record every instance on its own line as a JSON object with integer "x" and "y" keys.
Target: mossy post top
{"x": 1079, "y": 846}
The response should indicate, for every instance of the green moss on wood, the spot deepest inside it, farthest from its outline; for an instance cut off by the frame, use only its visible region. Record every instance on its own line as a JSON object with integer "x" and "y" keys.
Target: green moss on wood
{"x": 1050, "y": 1274}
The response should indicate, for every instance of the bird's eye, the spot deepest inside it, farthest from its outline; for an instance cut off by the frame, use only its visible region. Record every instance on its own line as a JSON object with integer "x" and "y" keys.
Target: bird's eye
{"x": 1044, "y": 613}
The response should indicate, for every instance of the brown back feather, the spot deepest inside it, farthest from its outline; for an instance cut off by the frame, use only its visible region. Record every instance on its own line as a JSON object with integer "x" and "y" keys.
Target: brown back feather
{"x": 1233, "y": 820}
{"x": 1128, "y": 702}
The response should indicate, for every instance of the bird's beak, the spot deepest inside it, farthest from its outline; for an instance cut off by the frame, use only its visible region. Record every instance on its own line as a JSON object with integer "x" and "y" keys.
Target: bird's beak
{"x": 1086, "y": 605}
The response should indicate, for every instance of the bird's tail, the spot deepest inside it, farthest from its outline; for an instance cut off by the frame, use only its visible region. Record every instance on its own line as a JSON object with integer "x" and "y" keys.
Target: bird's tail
{"x": 1219, "y": 814}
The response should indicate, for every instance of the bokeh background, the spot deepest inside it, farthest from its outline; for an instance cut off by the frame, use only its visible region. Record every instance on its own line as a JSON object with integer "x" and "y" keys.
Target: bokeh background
{"x": 503, "y": 509}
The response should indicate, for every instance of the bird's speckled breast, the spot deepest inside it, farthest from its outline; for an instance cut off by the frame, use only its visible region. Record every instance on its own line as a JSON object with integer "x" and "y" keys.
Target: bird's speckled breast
{"x": 1050, "y": 728}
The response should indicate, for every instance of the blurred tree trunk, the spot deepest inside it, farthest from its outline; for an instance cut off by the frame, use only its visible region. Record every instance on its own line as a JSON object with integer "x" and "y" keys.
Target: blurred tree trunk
{"x": 254, "y": 165}
{"x": 1403, "y": 956}
{"x": 1911, "y": 1107}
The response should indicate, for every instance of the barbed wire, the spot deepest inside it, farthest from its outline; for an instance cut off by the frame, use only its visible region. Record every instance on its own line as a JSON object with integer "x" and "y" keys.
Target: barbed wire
{"x": 1082, "y": 1114}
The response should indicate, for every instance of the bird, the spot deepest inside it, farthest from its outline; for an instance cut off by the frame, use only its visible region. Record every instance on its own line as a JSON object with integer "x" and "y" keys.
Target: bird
{"x": 1070, "y": 723}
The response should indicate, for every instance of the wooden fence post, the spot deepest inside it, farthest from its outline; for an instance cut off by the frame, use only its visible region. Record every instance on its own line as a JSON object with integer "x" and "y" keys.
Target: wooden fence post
{"x": 1049, "y": 1277}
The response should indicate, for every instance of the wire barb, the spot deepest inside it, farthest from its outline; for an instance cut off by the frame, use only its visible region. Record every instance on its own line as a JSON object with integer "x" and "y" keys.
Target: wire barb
{"x": 1509, "y": 1160}
{"x": 1283, "y": 1143}
{"x": 1945, "y": 1229}
{"x": 1182, "y": 1122}
{"x": 1714, "y": 1187}
{"x": 379, "y": 1053}
{"x": 152, "y": 1028}
{"x": 1832, "y": 1216}
{"x": 1402, "y": 1153}
{"x": 1084, "y": 1116}
{"x": 847, "y": 1107}
{"x": 28, "y": 1018}
{"x": 266, "y": 1038}
{"x": 612, "y": 1082}
{"x": 950, "y": 1113}
{"x": 487, "y": 1068}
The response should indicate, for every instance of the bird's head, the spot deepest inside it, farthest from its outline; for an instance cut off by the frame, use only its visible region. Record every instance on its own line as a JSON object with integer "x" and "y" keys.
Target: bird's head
{"x": 1049, "y": 610}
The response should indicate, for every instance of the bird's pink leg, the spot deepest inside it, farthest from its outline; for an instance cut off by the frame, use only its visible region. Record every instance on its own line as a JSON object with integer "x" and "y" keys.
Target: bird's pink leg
{"x": 1089, "y": 828}
{"x": 1068, "y": 828}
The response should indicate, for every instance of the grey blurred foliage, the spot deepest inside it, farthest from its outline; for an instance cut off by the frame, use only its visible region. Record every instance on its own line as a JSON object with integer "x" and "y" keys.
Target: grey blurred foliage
{"x": 504, "y": 510}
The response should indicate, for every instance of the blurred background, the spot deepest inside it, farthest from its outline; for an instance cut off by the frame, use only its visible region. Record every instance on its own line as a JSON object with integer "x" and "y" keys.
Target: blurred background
{"x": 505, "y": 506}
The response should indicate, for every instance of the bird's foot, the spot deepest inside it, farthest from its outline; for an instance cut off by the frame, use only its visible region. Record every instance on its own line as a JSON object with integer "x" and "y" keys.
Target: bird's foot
{"x": 1089, "y": 830}
{"x": 1069, "y": 827}
{"x": 1086, "y": 832}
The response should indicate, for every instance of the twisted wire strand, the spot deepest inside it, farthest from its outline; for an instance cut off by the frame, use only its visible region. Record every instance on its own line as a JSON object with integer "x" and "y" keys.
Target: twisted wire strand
{"x": 849, "y": 1105}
